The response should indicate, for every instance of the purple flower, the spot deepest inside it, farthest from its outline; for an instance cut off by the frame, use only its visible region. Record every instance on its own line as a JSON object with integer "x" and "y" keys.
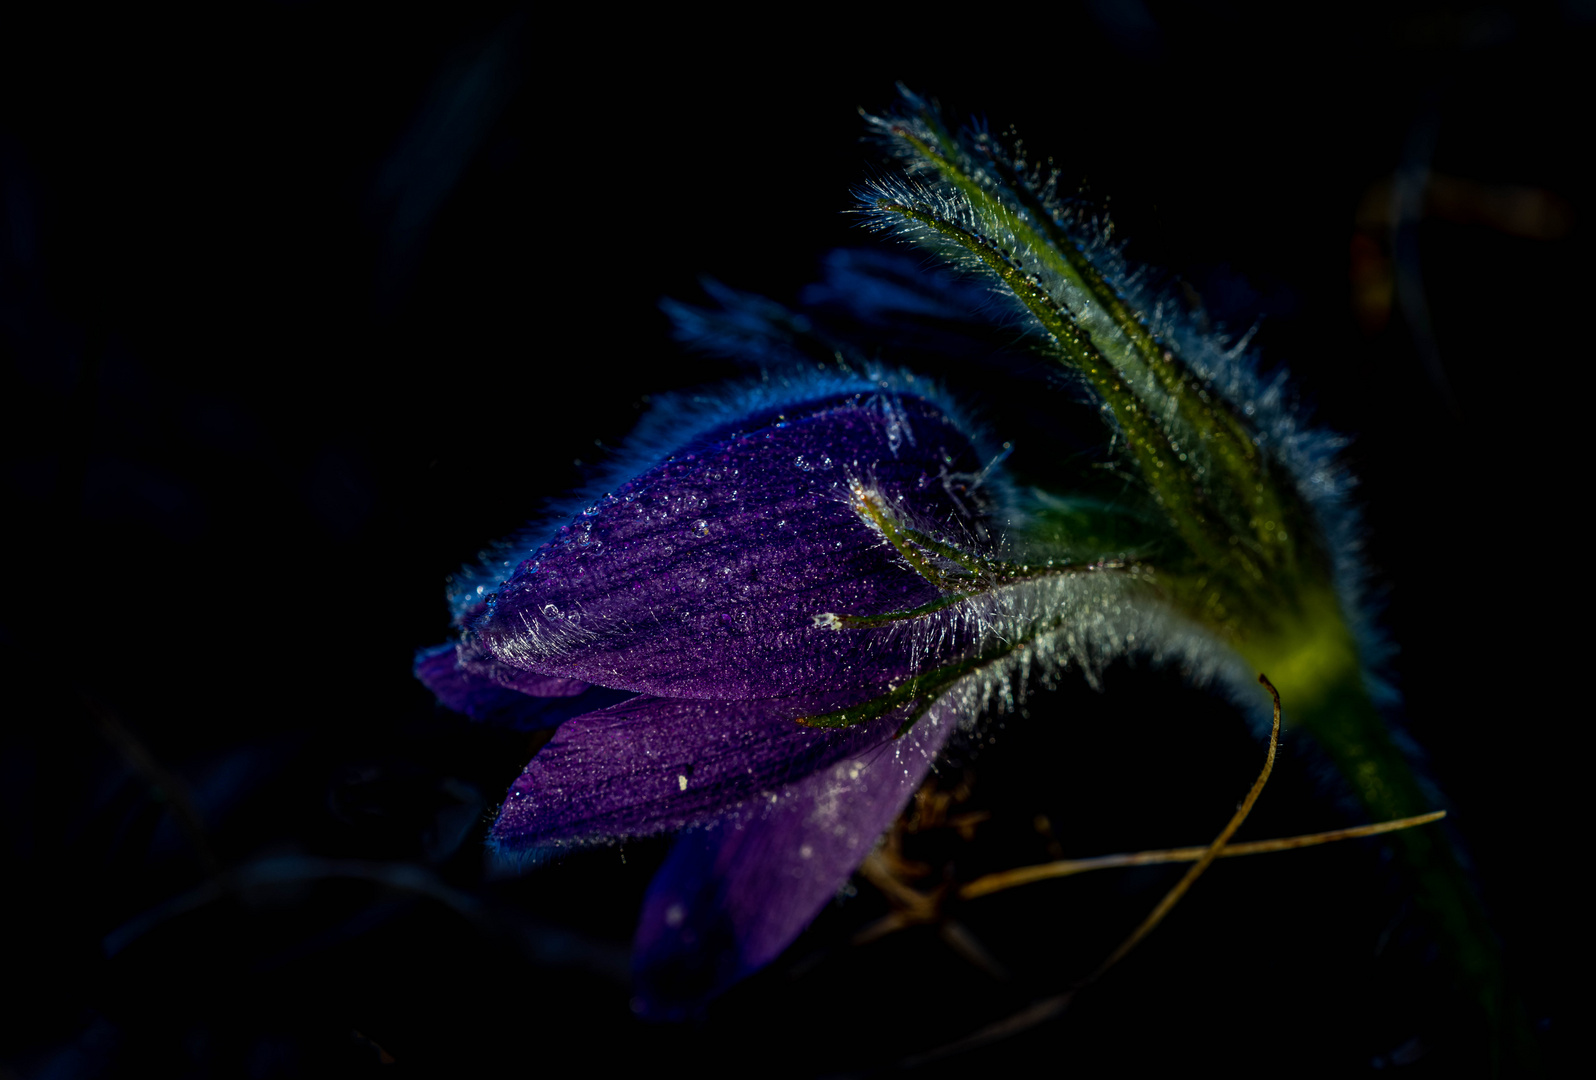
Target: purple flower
{"x": 794, "y": 590}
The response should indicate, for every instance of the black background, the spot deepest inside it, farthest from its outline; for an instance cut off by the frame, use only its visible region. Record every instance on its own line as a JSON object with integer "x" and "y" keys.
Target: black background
{"x": 300, "y": 306}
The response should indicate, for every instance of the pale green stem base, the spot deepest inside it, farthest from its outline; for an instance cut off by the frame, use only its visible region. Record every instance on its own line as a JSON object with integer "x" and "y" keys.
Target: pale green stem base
{"x": 1324, "y": 695}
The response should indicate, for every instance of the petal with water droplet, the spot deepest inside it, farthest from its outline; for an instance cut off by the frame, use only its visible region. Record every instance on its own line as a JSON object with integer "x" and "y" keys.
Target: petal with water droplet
{"x": 704, "y": 577}
{"x": 732, "y": 896}
{"x": 652, "y": 765}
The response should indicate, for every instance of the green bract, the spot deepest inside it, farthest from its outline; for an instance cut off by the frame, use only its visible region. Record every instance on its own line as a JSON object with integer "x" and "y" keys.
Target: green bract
{"x": 1237, "y": 518}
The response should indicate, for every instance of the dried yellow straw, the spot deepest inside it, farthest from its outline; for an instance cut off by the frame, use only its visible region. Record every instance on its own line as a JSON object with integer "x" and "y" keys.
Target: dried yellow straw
{"x": 1025, "y": 875}
{"x": 1172, "y": 897}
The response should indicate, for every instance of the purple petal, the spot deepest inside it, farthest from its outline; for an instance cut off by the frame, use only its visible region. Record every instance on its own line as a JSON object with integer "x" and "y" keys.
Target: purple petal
{"x": 486, "y": 690}
{"x": 732, "y": 896}
{"x": 704, "y": 576}
{"x": 653, "y": 765}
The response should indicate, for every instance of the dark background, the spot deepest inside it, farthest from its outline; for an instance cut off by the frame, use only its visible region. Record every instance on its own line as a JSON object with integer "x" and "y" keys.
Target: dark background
{"x": 301, "y": 305}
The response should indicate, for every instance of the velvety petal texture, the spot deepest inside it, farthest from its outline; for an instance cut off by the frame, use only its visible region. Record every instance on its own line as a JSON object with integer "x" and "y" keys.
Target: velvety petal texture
{"x": 731, "y": 897}
{"x": 653, "y": 765}
{"x": 704, "y": 577}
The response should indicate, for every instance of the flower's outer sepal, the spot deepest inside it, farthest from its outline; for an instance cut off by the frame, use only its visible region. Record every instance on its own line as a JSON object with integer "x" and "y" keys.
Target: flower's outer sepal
{"x": 732, "y": 896}
{"x": 708, "y": 575}
{"x": 496, "y": 694}
{"x": 652, "y": 765}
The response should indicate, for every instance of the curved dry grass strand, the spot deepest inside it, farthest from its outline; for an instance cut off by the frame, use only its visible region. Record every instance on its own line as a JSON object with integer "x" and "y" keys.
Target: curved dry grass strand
{"x": 1025, "y": 875}
{"x": 1172, "y": 897}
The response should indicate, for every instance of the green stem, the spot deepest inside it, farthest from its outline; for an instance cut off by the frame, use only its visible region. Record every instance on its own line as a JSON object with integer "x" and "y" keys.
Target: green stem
{"x": 1336, "y": 711}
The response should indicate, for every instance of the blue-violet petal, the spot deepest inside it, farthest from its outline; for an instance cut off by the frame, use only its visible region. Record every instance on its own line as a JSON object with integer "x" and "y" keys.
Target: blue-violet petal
{"x": 732, "y": 896}
{"x": 653, "y": 765}
{"x": 708, "y": 576}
